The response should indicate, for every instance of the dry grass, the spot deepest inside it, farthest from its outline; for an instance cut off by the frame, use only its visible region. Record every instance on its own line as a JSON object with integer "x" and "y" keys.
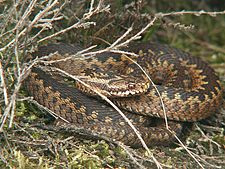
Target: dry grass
{"x": 28, "y": 24}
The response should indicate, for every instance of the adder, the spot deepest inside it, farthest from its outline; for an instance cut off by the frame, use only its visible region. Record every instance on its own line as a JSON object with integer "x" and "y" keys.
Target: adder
{"x": 188, "y": 86}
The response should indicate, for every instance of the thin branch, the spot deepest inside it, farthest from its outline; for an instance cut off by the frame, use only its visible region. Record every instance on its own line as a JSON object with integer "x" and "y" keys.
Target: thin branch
{"x": 197, "y": 13}
{"x": 209, "y": 139}
{"x": 3, "y": 85}
{"x": 81, "y": 22}
{"x": 13, "y": 97}
{"x": 138, "y": 35}
{"x": 187, "y": 150}
{"x": 117, "y": 109}
{"x": 33, "y": 22}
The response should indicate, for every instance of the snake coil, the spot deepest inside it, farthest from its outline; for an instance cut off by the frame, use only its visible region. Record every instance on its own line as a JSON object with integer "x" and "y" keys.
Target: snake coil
{"x": 188, "y": 86}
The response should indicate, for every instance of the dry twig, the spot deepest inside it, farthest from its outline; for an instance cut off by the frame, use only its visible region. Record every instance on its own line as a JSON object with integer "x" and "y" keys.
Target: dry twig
{"x": 15, "y": 39}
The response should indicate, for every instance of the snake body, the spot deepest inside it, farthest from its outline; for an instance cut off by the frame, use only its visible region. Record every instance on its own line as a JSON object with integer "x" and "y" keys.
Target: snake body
{"x": 188, "y": 86}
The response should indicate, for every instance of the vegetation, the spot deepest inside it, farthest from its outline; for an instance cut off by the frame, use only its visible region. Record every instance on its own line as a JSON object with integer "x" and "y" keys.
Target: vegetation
{"x": 189, "y": 25}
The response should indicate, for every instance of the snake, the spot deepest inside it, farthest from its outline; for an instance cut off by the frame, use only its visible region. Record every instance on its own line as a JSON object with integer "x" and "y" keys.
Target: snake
{"x": 148, "y": 81}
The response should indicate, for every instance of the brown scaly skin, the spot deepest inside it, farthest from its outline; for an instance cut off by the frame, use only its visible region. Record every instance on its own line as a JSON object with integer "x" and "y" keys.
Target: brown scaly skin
{"x": 189, "y": 88}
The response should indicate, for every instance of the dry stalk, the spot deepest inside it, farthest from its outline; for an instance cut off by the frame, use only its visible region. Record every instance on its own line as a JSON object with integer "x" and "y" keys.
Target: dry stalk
{"x": 48, "y": 9}
{"x": 11, "y": 104}
{"x": 196, "y": 13}
{"x": 206, "y": 137}
{"x": 82, "y": 23}
{"x": 112, "y": 47}
{"x": 27, "y": 29}
{"x": 187, "y": 150}
{"x": 56, "y": 116}
{"x": 41, "y": 21}
{"x": 127, "y": 150}
{"x": 204, "y": 161}
{"x": 3, "y": 85}
{"x": 116, "y": 108}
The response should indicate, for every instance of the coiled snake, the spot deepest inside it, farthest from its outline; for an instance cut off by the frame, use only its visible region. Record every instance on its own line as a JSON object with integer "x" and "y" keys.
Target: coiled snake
{"x": 189, "y": 88}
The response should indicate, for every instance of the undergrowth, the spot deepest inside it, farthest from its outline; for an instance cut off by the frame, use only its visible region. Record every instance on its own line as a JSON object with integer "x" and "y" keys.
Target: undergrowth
{"x": 24, "y": 25}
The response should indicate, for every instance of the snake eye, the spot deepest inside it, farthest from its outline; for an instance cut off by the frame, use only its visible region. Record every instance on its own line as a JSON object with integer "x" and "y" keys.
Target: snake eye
{"x": 131, "y": 85}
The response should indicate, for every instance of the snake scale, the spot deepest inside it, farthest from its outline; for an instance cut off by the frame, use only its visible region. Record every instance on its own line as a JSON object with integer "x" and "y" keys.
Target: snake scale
{"x": 188, "y": 86}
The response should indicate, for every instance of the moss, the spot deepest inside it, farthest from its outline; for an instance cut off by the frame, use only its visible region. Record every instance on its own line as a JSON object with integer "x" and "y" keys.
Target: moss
{"x": 25, "y": 146}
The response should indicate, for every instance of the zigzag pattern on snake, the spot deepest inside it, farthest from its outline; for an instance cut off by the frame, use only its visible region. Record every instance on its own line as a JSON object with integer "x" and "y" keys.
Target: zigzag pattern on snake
{"x": 189, "y": 88}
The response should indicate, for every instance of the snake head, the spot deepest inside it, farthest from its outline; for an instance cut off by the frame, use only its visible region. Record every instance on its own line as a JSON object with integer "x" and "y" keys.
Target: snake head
{"x": 126, "y": 87}
{"x": 113, "y": 87}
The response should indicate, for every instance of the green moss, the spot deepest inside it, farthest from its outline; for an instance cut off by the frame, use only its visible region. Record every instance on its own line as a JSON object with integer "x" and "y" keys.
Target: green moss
{"x": 36, "y": 148}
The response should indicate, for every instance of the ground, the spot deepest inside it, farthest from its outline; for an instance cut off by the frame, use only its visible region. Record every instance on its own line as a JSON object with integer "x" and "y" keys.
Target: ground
{"x": 24, "y": 145}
